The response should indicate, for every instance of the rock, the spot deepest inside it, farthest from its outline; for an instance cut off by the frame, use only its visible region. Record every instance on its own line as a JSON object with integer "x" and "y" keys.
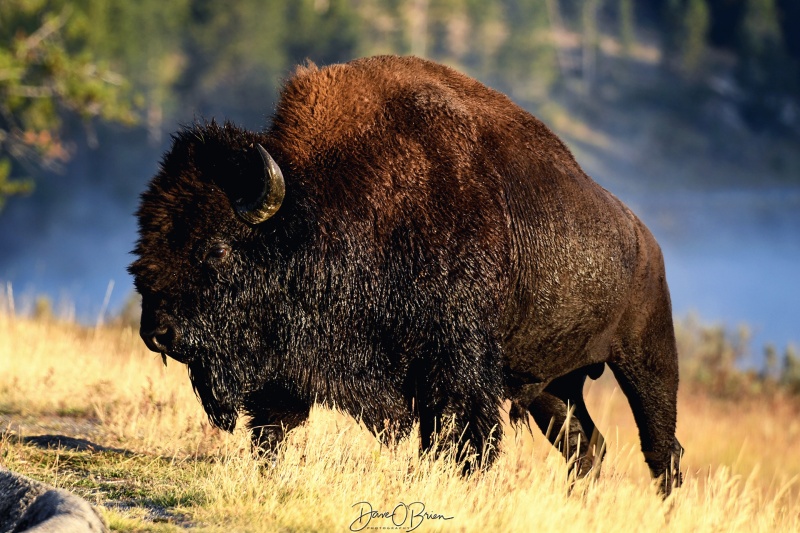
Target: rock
{"x": 35, "y": 507}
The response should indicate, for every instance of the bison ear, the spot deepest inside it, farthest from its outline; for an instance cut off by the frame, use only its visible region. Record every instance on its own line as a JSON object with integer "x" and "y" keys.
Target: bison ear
{"x": 270, "y": 199}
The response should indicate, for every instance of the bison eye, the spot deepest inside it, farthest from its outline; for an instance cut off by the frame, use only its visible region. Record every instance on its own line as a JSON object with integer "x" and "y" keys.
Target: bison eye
{"x": 218, "y": 252}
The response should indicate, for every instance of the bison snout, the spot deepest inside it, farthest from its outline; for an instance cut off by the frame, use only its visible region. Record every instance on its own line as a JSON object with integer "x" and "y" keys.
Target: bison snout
{"x": 161, "y": 339}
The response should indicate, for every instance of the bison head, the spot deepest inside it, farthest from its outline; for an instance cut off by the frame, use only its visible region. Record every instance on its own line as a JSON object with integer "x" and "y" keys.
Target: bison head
{"x": 203, "y": 222}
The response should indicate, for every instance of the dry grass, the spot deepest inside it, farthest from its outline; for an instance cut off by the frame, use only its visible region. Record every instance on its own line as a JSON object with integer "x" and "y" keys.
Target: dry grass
{"x": 169, "y": 470}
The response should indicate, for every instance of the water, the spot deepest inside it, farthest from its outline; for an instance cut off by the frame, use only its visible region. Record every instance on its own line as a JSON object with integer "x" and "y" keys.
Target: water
{"x": 732, "y": 256}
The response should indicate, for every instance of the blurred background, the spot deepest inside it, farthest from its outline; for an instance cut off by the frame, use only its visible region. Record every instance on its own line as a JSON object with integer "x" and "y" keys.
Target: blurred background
{"x": 688, "y": 110}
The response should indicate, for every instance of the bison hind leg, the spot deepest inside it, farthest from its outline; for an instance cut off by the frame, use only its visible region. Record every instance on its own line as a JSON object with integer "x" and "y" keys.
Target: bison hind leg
{"x": 646, "y": 368}
{"x": 560, "y": 413}
{"x": 518, "y": 415}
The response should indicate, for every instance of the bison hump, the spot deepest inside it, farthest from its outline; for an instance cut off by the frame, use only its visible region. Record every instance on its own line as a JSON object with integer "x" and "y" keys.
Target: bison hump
{"x": 321, "y": 108}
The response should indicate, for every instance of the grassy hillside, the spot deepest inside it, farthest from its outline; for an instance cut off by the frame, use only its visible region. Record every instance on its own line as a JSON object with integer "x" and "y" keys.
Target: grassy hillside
{"x": 142, "y": 451}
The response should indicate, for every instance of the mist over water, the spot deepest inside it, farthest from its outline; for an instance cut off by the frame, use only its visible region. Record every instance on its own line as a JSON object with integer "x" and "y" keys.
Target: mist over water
{"x": 80, "y": 241}
{"x": 732, "y": 257}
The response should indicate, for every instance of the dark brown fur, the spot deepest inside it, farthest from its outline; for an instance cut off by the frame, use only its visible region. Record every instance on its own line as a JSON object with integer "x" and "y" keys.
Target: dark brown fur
{"x": 438, "y": 251}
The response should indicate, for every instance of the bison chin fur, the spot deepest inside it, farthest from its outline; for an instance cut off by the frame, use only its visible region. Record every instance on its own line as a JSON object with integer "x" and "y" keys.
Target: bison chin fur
{"x": 219, "y": 391}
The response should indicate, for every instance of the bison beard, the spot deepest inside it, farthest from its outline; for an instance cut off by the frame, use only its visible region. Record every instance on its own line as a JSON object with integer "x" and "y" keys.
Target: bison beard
{"x": 404, "y": 244}
{"x": 218, "y": 390}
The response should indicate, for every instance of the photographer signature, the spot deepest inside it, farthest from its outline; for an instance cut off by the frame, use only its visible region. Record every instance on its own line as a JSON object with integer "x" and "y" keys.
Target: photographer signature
{"x": 402, "y": 516}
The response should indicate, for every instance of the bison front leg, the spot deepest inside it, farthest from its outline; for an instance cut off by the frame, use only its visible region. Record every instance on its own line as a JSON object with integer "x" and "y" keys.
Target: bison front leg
{"x": 273, "y": 411}
{"x": 459, "y": 407}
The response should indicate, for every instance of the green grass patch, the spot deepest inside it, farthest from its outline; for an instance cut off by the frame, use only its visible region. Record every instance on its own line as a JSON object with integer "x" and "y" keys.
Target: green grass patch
{"x": 122, "y": 482}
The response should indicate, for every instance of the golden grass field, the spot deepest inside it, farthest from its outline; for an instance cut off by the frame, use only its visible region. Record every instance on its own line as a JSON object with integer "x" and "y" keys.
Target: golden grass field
{"x": 162, "y": 468}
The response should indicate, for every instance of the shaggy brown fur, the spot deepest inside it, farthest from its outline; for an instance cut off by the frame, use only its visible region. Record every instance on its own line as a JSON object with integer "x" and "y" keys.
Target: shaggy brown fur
{"x": 437, "y": 251}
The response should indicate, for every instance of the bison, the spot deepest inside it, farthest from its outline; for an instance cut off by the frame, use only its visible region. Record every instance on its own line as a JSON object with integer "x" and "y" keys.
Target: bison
{"x": 405, "y": 244}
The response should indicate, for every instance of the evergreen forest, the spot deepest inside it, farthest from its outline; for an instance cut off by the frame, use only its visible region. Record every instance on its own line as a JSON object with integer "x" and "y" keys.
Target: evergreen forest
{"x": 78, "y": 76}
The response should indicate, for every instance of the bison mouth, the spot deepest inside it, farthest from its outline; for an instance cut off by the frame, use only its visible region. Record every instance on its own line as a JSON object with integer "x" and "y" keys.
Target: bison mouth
{"x": 179, "y": 357}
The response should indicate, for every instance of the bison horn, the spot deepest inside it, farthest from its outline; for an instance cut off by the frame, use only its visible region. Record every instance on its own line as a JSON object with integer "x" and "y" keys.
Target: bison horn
{"x": 270, "y": 199}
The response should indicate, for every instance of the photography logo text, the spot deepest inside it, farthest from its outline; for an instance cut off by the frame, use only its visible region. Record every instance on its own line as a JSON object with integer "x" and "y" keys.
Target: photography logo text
{"x": 405, "y": 516}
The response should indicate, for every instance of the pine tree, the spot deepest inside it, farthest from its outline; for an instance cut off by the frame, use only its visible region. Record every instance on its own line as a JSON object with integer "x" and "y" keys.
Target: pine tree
{"x": 627, "y": 34}
{"x": 766, "y": 72}
{"x": 234, "y": 53}
{"x": 526, "y": 61}
{"x": 45, "y": 76}
{"x": 590, "y": 41}
{"x": 143, "y": 41}
{"x": 685, "y": 34}
{"x": 324, "y": 31}
{"x": 694, "y": 31}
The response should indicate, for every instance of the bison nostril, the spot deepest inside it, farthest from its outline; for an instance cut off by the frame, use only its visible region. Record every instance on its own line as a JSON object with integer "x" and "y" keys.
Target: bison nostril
{"x": 159, "y": 340}
{"x": 164, "y": 338}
